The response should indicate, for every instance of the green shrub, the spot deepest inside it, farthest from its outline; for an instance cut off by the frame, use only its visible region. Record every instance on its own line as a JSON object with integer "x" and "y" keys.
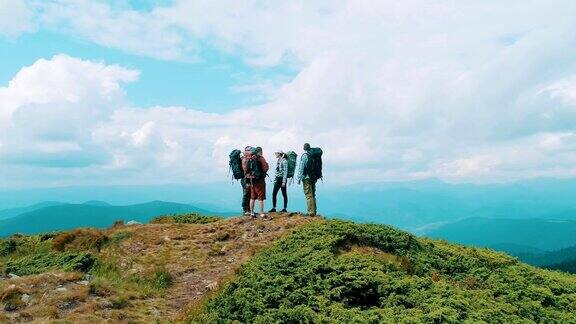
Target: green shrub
{"x": 39, "y": 263}
{"x": 7, "y": 247}
{"x": 317, "y": 274}
{"x": 188, "y": 218}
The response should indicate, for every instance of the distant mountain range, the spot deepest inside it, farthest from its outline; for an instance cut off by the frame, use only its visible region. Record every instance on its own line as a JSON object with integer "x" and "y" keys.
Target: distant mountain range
{"x": 534, "y": 234}
{"x": 54, "y": 216}
{"x": 539, "y": 242}
{"x": 417, "y": 206}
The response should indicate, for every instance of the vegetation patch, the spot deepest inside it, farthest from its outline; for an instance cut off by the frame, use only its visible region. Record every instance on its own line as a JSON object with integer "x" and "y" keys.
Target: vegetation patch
{"x": 11, "y": 299}
{"x": 79, "y": 240}
{"x": 39, "y": 263}
{"x": 188, "y": 218}
{"x": 7, "y": 247}
{"x": 117, "y": 238}
{"x": 341, "y": 272}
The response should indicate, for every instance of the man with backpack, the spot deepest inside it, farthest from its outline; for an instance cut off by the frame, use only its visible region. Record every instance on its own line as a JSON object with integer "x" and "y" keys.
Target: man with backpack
{"x": 235, "y": 163}
{"x": 255, "y": 168}
{"x": 309, "y": 172}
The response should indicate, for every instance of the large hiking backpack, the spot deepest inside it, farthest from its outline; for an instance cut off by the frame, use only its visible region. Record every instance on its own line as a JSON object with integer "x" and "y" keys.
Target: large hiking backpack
{"x": 314, "y": 165}
{"x": 236, "y": 165}
{"x": 254, "y": 167}
{"x": 291, "y": 157}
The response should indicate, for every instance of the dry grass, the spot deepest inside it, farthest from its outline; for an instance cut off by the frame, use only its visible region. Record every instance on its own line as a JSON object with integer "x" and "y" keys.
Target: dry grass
{"x": 79, "y": 240}
{"x": 146, "y": 273}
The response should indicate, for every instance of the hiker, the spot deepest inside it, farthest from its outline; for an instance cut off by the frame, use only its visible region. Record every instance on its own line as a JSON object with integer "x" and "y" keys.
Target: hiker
{"x": 235, "y": 163}
{"x": 280, "y": 181}
{"x": 255, "y": 168}
{"x": 309, "y": 172}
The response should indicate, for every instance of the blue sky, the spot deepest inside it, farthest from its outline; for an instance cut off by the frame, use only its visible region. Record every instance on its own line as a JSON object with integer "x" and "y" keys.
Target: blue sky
{"x": 152, "y": 92}
{"x": 210, "y": 84}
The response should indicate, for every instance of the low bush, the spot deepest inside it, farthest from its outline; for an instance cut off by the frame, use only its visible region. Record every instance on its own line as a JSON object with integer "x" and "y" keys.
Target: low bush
{"x": 7, "y": 247}
{"x": 39, "y": 263}
{"x": 188, "y": 218}
{"x": 79, "y": 240}
{"x": 321, "y": 273}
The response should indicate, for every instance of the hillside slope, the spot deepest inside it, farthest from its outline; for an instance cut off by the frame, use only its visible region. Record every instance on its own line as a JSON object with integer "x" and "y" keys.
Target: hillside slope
{"x": 89, "y": 214}
{"x": 142, "y": 273}
{"x": 288, "y": 269}
{"x": 338, "y": 272}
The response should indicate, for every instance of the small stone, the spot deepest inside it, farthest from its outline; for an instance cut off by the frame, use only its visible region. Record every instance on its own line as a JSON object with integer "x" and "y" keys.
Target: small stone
{"x": 107, "y": 304}
{"x": 12, "y": 287}
{"x": 13, "y": 276}
{"x": 25, "y": 298}
{"x": 88, "y": 277}
{"x": 61, "y": 289}
{"x": 166, "y": 238}
{"x": 83, "y": 282}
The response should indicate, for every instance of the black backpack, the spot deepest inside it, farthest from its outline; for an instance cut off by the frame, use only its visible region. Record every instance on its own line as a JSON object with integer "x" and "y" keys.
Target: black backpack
{"x": 254, "y": 167}
{"x": 314, "y": 165}
{"x": 236, "y": 165}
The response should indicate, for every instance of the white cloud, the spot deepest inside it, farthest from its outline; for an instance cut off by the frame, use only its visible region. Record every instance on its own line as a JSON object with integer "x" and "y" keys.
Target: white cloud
{"x": 49, "y": 109}
{"x": 391, "y": 90}
{"x": 15, "y": 18}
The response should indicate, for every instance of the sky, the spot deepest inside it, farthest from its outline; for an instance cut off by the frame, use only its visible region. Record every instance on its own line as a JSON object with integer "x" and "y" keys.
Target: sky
{"x": 158, "y": 91}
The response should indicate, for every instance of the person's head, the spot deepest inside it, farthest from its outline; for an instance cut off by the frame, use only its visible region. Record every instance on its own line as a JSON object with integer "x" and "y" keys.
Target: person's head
{"x": 306, "y": 147}
{"x": 259, "y": 150}
{"x": 248, "y": 148}
{"x": 279, "y": 154}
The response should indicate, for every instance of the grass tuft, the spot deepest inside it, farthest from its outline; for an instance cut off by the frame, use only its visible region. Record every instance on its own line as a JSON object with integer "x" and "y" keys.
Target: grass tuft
{"x": 39, "y": 263}
{"x": 188, "y": 218}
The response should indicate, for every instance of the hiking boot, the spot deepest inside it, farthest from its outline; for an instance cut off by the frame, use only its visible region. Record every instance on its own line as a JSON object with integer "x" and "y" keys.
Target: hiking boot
{"x": 253, "y": 215}
{"x": 273, "y": 210}
{"x": 247, "y": 213}
{"x": 284, "y": 210}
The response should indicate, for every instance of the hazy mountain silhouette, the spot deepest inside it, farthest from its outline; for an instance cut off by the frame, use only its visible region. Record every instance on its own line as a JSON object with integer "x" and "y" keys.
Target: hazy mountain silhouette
{"x": 91, "y": 214}
{"x": 532, "y": 234}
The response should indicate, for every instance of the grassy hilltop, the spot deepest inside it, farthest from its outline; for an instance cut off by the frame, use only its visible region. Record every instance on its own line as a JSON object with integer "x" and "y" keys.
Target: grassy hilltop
{"x": 289, "y": 269}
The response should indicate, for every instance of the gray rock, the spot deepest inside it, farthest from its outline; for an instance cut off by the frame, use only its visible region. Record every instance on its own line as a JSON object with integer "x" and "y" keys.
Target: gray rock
{"x": 133, "y": 222}
{"x": 107, "y": 304}
{"x": 13, "y": 276}
{"x": 25, "y": 298}
{"x": 61, "y": 289}
{"x": 83, "y": 282}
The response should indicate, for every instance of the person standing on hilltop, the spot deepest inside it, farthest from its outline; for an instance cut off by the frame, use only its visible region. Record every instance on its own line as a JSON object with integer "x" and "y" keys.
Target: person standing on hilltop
{"x": 255, "y": 168}
{"x": 245, "y": 188}
{"x": 236, "y": 158}
{"x": 309, "y": 172}
{"x": 280, "y": 181}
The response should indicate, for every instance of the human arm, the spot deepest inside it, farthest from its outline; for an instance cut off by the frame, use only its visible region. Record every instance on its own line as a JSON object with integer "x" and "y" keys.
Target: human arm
{"x": 302, "y": 166}
{"x": 264, "y": 164}
{"x": 284, "y": 172}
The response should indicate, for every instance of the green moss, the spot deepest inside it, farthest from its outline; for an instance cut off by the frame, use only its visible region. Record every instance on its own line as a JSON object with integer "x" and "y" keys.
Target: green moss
{"x": 188, "y": 218}
{"x": 317, "y": 275}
